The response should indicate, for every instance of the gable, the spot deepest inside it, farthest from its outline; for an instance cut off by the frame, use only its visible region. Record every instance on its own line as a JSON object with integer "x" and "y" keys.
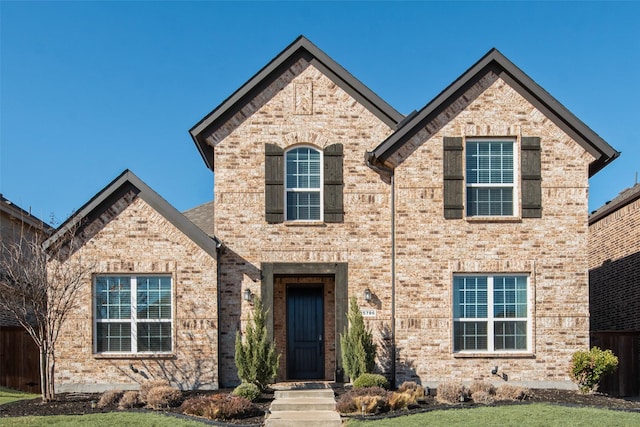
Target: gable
{"x": 456, "y": 97}
{"x": 114, "y": 199}
{"x": 270, "y": 80}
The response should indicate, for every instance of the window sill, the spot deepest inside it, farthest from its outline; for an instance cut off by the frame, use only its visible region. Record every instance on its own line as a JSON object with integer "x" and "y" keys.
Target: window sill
{"x": 305, "y": 224}
{"x": 490, "y": 219}
{"x": 136, "y": 356}
{"x": 494, "y": 355}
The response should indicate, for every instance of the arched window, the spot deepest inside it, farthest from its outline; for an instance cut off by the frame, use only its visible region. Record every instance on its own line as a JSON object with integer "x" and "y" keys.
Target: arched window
{"x": 303, "y": 184}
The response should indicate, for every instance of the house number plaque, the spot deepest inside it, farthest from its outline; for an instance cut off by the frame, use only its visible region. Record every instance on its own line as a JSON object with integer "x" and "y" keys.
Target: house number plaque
{"x": 368, "y": 312}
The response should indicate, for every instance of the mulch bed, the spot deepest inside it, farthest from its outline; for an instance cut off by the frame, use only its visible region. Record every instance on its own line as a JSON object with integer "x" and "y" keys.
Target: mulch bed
{"x": 80, "y": 404}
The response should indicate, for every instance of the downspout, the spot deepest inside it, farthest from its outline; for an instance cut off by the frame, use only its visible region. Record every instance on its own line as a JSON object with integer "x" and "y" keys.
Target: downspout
{"x": 220, "y": 250}
{"x": 384, "y": 171}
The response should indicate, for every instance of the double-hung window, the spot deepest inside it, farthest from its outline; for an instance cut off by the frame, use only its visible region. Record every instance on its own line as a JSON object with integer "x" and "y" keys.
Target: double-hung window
{"x": 490, "y": 178}
{"x": 490, "y": 313}
{"x": 133, "y": 314}
{"x": 303, "y": 184}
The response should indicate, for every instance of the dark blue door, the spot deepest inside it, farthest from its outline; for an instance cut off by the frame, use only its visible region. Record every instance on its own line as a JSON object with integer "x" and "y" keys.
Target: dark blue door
{"x": 305, "y": 332}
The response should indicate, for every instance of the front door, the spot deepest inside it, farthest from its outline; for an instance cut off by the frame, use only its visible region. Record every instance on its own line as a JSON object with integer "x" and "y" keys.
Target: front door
{"x": 305, "y": 332}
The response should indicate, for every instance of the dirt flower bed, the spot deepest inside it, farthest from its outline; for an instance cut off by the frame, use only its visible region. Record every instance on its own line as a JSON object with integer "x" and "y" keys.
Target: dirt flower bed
{"x": 79, "y": 404}
{"x": 87, "y": 403}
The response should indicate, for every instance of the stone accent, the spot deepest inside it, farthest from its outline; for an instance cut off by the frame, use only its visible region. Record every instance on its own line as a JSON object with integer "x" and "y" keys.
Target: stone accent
{"x": 137, "y": 239}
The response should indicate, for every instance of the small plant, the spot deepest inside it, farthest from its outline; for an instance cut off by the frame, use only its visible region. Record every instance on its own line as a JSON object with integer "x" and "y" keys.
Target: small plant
{"x": 109, "y": 398}
{"x": 256, "y": 357}
{"x": 483, "y": 397}
{"x": 399, "y": 400}
{"x": 452, "y": 392}
{"x": 163, "y": 397}
{"x": 358, "y": 348}
{"x": 371, "y": 380}
{"x": 371, "y": 404}
{"x": 146, "y": 386}
{"x": 416, "y": 391}
{"x": 511, "y": 392}
{"x": 130, "y": 399}
{"x": 351, "y": 401}
{"x": 219, "y": 407}
{"x": 483, "y": 386}
{"x": 248, "y": 391}
{"x": 588, "y": 367}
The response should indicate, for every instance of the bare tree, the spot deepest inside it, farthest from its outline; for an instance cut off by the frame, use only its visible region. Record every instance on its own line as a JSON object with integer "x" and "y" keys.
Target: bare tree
{"x": 39, "y": 283}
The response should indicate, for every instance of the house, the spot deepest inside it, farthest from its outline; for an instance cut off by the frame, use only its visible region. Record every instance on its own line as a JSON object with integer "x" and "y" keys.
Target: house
{"x": 19, "y": 366}
{"x": 614, "y": 287}
{"x": 461, "y": 230}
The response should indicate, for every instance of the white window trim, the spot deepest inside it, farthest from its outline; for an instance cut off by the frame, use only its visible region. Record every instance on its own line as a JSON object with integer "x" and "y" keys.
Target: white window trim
{"x": 516, "y": 178}
{"x": 133, "y": 320}
{"x": 304, "y": 190}
{"x": 490, "y": 319}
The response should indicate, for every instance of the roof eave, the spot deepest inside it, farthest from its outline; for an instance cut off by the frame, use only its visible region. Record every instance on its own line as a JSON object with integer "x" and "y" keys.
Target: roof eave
{"x": 301, "y": 47}
{"x": 527, "y": 87}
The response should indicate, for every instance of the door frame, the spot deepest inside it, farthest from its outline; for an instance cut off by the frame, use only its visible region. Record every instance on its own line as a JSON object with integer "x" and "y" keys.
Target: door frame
{"x": 339, "y": 271}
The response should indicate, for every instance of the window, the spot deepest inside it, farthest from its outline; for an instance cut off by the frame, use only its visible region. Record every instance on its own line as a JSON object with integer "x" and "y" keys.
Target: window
{"x": 303, "y": 184}
{"x": 490, "y": 178}
{"x": 490, "y": 313}
{"x": 133, "y": 314}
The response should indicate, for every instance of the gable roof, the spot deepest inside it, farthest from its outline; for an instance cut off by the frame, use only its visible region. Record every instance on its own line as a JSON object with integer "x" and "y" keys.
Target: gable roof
{"x": 125, "y": 182}
{"x": 15, "y": 211}
{"x": 496, "y": 62}
{"x": 626, "y": 196}
{"x": 202, "y": 216}
{"x": 301, "y": 48}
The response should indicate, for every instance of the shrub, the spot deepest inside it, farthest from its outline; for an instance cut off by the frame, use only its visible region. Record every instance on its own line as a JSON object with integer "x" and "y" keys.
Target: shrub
{"x": 414, "y": 389}
{"x": 109, "y": 398}
{"x": 248, "y": 391}
{"x": 511, "y": 392}
{"x": 256, "y": 357}
{"x": 351, "y": 402}
{"x": 146, "y": 386}
{"x": 358, "y": 348}
{"x": 219, "y": 407}
{"x": 163, "y": 397}
{"x": 483, "y": 386}
{"x": 130, "y": 399}
{"x": 484, "y": 397}
{"x": 400, "y": 400}
{"x": 452, "y": 392}
{"x": 371, "y": 380}
{"x": 372, "y": 404}
{"x": 588, "y": 367}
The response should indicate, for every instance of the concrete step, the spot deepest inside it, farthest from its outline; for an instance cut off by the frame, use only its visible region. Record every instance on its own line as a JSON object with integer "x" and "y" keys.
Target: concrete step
{"x": 284, "y": 394}
{"x": 306, "y": 418}
{"x": 303, "y": 404}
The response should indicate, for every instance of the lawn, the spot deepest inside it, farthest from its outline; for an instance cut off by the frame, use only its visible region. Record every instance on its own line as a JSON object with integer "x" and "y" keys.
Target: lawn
{"x": 8, "y": 395}
{"x": 120, "y": 419}
{"x": 536, "y": 414}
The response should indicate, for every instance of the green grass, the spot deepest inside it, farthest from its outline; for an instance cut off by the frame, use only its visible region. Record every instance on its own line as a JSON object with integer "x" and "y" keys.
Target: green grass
{"x": 8, "y": 395}
{"x": 536, "y": 414}
{"x": 120, "y": 419}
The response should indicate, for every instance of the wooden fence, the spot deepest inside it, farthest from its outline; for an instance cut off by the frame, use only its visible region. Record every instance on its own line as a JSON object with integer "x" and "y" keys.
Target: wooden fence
{"x": 625, "y": 345}
{"x": 19, "y": 360}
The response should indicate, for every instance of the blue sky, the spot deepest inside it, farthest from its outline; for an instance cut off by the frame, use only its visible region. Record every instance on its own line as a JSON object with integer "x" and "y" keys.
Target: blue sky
{"x": 88, "y": 89}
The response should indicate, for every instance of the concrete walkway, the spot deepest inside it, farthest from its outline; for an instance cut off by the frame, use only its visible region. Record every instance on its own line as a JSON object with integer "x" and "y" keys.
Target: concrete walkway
{"x": 311, "y": 405}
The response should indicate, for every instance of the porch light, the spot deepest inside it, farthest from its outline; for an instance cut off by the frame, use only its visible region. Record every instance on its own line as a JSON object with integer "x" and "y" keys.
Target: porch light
{"x": 367, "y": 295}
{"x": 248, "y": 295}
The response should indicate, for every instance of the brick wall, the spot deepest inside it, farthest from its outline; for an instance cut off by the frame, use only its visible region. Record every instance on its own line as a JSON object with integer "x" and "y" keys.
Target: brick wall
{"x": 430, "y": 249}
{"x": 137, "y": 239}
{"x": 614, "y": 270}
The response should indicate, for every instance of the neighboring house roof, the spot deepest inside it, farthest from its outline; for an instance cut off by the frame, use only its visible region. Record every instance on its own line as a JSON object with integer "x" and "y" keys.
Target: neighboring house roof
{"x": 202, "y": 216}
{"x": 125, "y": 182}
{"x": 387, "y": 152}
{"x": 625, "y": 197}
{"x": 15, "y": 211}
{"x": 284, "y": 63}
